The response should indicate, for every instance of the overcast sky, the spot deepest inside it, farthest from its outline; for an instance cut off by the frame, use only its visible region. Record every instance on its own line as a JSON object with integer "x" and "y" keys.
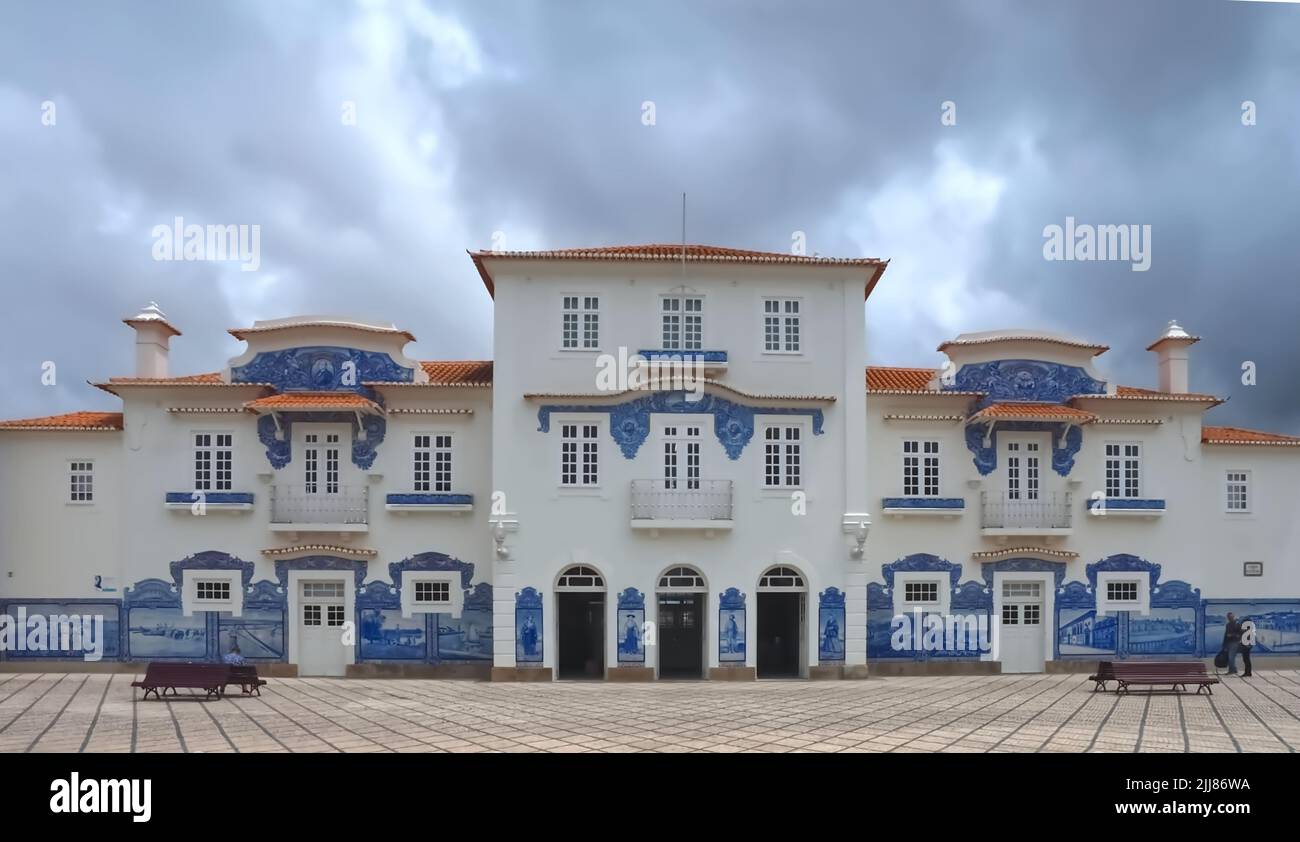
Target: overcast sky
{"x": 527, "y": 119}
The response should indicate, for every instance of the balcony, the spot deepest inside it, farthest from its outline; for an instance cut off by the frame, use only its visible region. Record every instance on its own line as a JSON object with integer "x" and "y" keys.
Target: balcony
{"x": 1048, "y": 515}
{"x": 296, "y": 508}
{"x": 682, "y": 504}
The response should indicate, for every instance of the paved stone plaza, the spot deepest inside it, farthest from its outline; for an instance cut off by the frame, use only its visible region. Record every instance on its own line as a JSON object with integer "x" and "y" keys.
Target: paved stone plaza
{"x": 71, "y": 712}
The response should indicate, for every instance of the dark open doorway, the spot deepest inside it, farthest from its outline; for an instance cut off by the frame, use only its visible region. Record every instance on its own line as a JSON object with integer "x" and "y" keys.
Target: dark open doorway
{"x": 581, "y": 629}
{"x": 681, "y": 635}
{"x": 779, "y": 625}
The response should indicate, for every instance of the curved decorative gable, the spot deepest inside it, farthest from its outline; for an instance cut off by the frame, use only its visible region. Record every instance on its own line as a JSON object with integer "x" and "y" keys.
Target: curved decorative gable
{"x": 1124, "y": 563}
{"x": 920, "y": 563}
{"x": 321, "y": 368}
{"x": 212, "y": 560}
{"x": 431, "y": 561}
{"x": 1025, "y": 380}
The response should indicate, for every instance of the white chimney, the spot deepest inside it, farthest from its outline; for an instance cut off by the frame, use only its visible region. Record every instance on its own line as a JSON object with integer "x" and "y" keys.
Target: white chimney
{"x": 1171, "y": 358}
{"x": 152, "y": 333}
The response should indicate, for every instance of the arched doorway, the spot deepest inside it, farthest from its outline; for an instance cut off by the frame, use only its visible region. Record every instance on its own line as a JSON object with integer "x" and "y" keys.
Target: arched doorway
{"x": 681, "y": 597}
{"x": 580, "y": 623}
{"x": 782, "y": 607}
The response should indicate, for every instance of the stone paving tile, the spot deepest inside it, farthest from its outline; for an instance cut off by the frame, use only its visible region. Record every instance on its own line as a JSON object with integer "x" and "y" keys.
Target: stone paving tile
{"x": 70, "y": 712}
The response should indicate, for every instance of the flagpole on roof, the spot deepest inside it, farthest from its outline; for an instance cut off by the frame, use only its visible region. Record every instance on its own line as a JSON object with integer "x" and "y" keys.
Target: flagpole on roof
{"x": 683, "y": 235}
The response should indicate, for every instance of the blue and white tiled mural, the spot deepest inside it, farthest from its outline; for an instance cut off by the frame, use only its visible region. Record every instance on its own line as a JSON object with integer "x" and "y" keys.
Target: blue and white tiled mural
{"x": 1277, "y": 623}
{"x": 830, "y": 626}
{"x": 528, "y": 626}
{"x": 630, "y": 626}
{"x": 731, "y": 627}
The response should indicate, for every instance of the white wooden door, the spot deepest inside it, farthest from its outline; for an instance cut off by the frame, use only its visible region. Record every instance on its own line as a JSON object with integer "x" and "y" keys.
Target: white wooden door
{"x": 1021, "y": 631}
{"x": 321, "y": 613}
{"x": 1022, "y": 482}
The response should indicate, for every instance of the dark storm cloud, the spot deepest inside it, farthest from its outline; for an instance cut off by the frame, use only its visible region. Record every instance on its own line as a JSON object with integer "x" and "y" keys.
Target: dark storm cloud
{"x": 526, "y": 119}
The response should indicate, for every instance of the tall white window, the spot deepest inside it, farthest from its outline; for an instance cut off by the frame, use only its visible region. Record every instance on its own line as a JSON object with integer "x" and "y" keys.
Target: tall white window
{"x": 1022, "y": 470}
{"x": 432, "y": 462}
{"x": 81, "y": 475}
{"x": 581, "y": 322}
{"x": 579, "y": 455}
{"x": 213, "y": 457}
{"x": 781, "y": 330}
{"x": 682, "y": 318}
{"x": 920, "y": 468}
{"x": 1238, "y": 491}
{"x": 682, "y": 456}
{"x": 782, "y": 456}
{"x": 1123, "y": 469}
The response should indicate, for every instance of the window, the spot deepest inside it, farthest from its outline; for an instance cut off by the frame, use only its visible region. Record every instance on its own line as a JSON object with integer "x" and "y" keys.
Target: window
{"x": 781, "y": 326}
{"x": 432, "y": 462}
{"x": 682, "y": 579}
{"x": 1238, "y": 489}
{"x": 579, "y": 455}
{"x": 213, "y": 455}
{"x": 781, "y": 577}
{"x": 682, "y": 457}
{"x": 682, "y": 318}
{"x": 1123, "y": 470}
{"x": 1121, "y": 591}
{"x": 334, "y": 615}
{"x": 212, "y": 590}
{"x": 782, "y": 456}
{"x": 311, "y": 464}
{"x": 581, "y": 323}
{"x": 920, "y": 469}
{"x": 433, "y": 592}
{"x": 1022, "y": 470}
{"x": 82, "y": 482}
{"x": 581, "y": 577}
{"x": 921, "y": 592}
{"x": 322, "y": 590}
{"x": 311, "y": 615}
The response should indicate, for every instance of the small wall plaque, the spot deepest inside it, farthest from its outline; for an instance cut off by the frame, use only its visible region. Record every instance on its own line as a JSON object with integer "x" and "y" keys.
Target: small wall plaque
{"x": 1252, "y": 568}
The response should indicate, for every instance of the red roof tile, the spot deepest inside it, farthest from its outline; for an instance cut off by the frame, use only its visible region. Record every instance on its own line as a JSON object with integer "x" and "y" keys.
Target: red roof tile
{"x": 1236, "y": 435}
{"x": 669, "y": 253}
{"x": 313, "y": 400}
{"x": 882, "y": 378}
{"x": 458, "y": 372}
{"x": 212, "y": 378}
{"x": 69, "y": 421}
{"x": 1012, "y": 411}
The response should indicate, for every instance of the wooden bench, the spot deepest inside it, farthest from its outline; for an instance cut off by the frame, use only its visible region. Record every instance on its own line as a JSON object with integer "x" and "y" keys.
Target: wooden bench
{"x": 246, "y": 677}
{"x": 159, "y": 677}
{"x": 1175, "y": 674}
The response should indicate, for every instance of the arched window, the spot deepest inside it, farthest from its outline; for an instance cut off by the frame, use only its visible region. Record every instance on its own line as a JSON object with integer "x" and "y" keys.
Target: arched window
{"x": 782, "y": 579}
{"x": 682, "y": 579}
{"x": 580, "y": 578}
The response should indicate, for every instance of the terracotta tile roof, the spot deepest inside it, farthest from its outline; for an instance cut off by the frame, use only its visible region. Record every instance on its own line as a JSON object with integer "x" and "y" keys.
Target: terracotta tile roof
{"x": 1136, "y": 393}
{"x": 71, "y": 421}
{"x": 313, "y": 401}
{"x": 670, "y": 253}
{"x": 458, "y": 372}
{"x": 332, "y": 549}
{"x": 1012, "y": 552}
{"x": 1236, "y": 435}
{"x": 212, "y": 378}
{"x": 882, "y": 378}
{"x": 1029, "y": 411}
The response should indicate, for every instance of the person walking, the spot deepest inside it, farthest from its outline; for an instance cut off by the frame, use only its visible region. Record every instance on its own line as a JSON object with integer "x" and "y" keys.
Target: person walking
{"x": 1247, "y": 640}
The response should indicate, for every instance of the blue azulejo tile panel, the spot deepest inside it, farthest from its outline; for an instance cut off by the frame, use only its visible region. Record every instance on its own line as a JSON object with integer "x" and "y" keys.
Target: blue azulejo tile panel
{"x": 1079, "y": 631}
{"x": 158, "y": 632}
{"x": 665, "y": 355}
{"x": 212, "y": 498}
{"x": 430, "y": 499}
{"x": 528, "y": 626}
{"x": 42, "y": 629}
{"x": 1123, "y": 504}
{"x": 257, "y": 634}
{"x": 1163, "y": 631}
{"x": 1277, "y": 624}
{"x": 465, "y": 638}
{"x": 731, "y": 628}
{"x": 923, "y": 503}
{"x": 385, "y": 635}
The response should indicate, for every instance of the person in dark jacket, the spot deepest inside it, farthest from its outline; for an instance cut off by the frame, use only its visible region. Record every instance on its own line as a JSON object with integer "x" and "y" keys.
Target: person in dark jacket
{"x": 1232, "y": 642}
{"x": 1247, "y": 640}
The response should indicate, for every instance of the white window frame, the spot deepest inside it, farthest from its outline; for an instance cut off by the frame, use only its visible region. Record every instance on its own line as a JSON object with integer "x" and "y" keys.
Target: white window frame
{"x": 584, "y": 311}
{"x": 764, "y": 423}
{"x": 213, "y": 449}
{"x": 190, "y": 601}
{"x": 942, "y": 585}
{"x": 1123, "y": 461}
{"x": 681, "y": 297}
{"x": 926, "y": 451}
{"x": 433, "y": 452}
{"x": 75, "y": 469}
{"x": 411, "y": 606}
{"x": 683, "y": 443}
{"x": 1105, "y": 604}
{"x": 603, "y": 453}
{"x": 1247, "y": 492}
{"x": 783, "y": 318}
